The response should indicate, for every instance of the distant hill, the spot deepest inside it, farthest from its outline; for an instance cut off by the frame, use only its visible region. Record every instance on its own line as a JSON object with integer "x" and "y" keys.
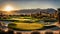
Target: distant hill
{"x": 33, "y": 11}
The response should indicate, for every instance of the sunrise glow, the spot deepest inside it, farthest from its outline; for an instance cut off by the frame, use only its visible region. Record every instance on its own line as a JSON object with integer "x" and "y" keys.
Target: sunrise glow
{"x": 8, "y": 8}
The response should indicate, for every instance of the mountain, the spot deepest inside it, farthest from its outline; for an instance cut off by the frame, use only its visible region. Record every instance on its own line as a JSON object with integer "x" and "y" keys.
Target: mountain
{"x": 51, "y": 11}
{"x": 33, "y": 11}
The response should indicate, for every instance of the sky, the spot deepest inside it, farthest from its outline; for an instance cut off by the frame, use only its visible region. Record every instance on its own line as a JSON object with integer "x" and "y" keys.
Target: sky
{"x": 30, "y": 4}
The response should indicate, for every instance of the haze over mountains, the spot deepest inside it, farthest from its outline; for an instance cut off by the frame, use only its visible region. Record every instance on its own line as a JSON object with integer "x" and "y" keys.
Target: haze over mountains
{"x": 33, "y": 11}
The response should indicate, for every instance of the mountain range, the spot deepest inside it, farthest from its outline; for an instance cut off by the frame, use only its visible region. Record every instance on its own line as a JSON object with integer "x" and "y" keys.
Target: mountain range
{"x": 33, "y": 11}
